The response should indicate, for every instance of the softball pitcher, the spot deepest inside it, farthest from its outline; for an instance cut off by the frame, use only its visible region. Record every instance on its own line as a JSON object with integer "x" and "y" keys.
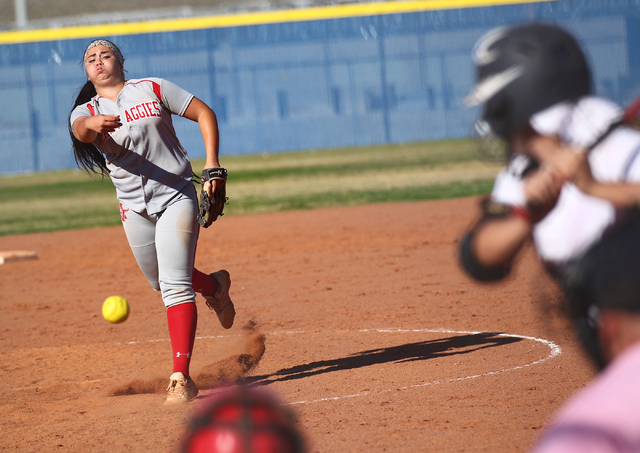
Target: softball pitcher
{"x": 124, "y": 128}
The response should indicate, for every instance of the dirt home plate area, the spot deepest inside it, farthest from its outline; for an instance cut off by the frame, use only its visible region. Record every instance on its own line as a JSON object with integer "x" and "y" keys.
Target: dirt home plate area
{"x": 359, "y": 318}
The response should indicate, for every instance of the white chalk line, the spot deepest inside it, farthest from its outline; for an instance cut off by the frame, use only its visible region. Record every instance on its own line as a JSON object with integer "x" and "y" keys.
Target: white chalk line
{"x": 555, "y": 350}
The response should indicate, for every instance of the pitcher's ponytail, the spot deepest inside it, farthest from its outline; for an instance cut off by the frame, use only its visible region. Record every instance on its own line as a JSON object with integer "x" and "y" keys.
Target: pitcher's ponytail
{"x": 87, "y": 156}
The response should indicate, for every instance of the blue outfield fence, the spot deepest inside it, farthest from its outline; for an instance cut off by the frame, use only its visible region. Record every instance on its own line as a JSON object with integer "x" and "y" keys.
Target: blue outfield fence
{"x": 305, "y": 85}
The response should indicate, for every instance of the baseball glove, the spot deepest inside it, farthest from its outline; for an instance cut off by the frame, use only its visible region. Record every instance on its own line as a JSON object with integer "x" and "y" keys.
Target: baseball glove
{"x": 212, "y": 207}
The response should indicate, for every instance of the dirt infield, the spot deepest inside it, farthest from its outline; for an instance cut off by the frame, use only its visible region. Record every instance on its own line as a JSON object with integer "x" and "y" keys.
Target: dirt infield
{"x": 358, "y": 317}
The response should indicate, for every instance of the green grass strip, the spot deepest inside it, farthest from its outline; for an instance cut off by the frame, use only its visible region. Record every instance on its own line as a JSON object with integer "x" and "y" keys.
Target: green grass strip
{"x": 264, "y": 183}
{"x": 332, "y": 199}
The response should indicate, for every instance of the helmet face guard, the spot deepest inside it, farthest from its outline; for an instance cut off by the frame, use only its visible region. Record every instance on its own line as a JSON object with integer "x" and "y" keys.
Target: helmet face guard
{"x": 524, "y": 69}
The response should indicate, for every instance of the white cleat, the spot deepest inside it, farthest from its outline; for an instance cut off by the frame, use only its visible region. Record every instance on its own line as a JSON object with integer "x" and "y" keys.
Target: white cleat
{"x": 181, "y": 390}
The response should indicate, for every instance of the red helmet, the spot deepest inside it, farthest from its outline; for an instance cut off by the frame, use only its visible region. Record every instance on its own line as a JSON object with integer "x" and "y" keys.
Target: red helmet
{"x": 243, "y": 420}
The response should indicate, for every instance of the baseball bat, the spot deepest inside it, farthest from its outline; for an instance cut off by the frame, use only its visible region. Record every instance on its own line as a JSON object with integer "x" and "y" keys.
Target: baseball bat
{"x": 628, "y": 115}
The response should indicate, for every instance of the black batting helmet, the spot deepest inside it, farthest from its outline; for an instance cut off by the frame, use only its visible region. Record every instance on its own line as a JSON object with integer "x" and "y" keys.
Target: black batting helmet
{"x": 524, "y": 69}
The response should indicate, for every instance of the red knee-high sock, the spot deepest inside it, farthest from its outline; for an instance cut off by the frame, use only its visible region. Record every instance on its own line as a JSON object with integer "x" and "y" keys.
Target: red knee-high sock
{"x": 203, "y": 283}
{"x": 182, "y": 320}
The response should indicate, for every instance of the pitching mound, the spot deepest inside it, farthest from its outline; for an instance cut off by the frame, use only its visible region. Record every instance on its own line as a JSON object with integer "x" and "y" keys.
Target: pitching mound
{"x": 359, "y": 318}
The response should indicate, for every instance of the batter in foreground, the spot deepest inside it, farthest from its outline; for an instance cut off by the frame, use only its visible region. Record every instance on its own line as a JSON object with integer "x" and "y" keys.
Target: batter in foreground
{"x": 572, "y": 185}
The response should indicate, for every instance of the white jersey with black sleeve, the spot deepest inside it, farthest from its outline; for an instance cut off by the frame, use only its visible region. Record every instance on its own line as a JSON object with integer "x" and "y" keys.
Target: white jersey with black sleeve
{"x": 577, "y": 221}
{"x": 147, "y": 164}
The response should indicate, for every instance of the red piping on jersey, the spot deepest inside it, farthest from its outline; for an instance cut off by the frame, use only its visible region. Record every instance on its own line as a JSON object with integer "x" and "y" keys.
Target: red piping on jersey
{"x": 156, "y": 90}
{"x": 156, "y": 87}
{"x": 91, "y": 109}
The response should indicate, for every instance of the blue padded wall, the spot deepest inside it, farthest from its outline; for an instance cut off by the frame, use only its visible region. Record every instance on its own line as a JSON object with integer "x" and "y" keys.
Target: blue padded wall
{"x": 306, "y": 85}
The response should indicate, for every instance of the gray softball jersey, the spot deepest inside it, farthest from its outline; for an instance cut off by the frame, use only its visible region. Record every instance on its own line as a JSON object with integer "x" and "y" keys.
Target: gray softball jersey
{"x": 147, "y": 164}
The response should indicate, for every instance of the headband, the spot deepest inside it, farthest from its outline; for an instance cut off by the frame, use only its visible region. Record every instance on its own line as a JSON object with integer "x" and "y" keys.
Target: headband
{"x": 110, "y": 45}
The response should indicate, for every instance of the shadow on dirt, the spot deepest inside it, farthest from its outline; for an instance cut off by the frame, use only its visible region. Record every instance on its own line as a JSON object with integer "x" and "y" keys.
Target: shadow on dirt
{"x": 410, "y": 352}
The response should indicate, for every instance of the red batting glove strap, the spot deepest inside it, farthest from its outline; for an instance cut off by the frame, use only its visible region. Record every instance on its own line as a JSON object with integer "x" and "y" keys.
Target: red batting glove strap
{"x": 522, "y": 213}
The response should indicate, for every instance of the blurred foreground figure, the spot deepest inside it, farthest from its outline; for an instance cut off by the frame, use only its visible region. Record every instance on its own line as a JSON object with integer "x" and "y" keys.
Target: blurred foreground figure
{"x": 605, "y": 306}
{"x": 574, "y": 191}
{"x": 243, "y": 420}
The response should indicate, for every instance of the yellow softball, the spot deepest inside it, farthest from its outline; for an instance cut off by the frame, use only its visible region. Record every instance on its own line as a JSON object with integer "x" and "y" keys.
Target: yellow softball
{"x": 115, "y": 309}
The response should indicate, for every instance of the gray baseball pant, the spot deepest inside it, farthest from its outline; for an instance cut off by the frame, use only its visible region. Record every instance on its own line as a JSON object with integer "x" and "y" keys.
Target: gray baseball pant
{"x": 164, "y": 246}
